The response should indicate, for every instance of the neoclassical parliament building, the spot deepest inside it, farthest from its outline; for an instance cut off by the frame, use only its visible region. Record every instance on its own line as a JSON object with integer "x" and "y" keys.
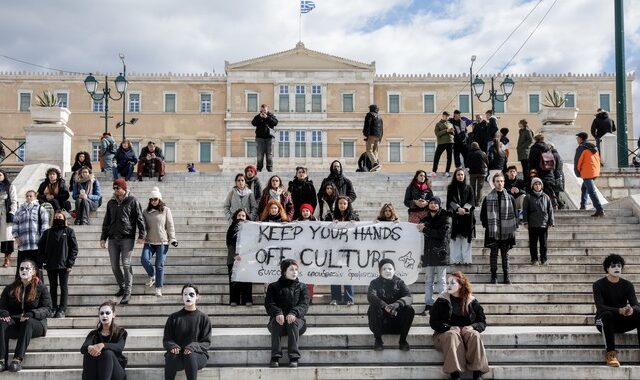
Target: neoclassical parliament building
{"x": 319, "y": 99}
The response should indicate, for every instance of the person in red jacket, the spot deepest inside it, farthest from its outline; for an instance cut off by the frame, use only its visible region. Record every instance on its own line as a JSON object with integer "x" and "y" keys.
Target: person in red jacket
{"x": 587, "y": 167}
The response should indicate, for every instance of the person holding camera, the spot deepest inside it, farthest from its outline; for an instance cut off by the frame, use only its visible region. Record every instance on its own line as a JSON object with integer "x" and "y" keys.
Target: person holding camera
{"x": 265, "y": 123}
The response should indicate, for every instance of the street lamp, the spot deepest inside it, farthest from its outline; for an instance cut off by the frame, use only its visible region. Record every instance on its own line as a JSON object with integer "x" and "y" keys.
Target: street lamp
{"x": 91, "y": 85}
{"x": 473, "y": 59}
{"x": 506, "y": 86}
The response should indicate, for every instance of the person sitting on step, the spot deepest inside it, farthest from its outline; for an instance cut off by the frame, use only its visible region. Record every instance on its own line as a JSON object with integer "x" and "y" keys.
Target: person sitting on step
{"x": 102, "y": 349}
{"x": 187, "y": 337}
{"x": 87, "y": 194}
{"x": 343, "y": 213}
{"x": 151, "y": 160}
{"x": 617, "y": 308}
{"x": 390, "y": 310}
{"x": 54, "y": 190}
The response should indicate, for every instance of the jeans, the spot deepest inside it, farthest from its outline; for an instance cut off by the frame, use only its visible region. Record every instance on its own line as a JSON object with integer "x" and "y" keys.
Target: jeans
{"x": 23, "y": 332}
{"x": 337, "y": 295}
{"x": 589, "y": 188}
{"x": 58, "y": 276}
{"x": 124, "y": 171}
{"x": 120, "y": 253}
{"x": 436, "y": 157}
{"x": 160, "y": 251}
{"x": 477, "y": 182}
{"x": 435, "y": 278}
{"x": 264, "y": 148}
{"x": 239, "y": 292}
{"x": 83, "y": 208}
{"x": 459, "y": 150}
{"x": 189, "y": 363}
{"x": 104, "y": 367}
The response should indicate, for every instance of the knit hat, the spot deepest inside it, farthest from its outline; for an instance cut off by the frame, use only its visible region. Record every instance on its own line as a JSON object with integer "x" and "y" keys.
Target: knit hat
{"x": 286, "y": 263}
{"x": 436, "y": 199}
{"x": 306, "y": 206}
{"x": 155, "y": 193}
{"x": 251, "y": 168}
{"x": 386, "y": 261}
{"x": 535, "y": 180}
{"x": 121, "y": 183}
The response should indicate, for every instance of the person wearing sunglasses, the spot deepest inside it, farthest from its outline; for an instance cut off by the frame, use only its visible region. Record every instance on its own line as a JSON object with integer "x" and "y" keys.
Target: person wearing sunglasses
{"x": 102, "y": 349}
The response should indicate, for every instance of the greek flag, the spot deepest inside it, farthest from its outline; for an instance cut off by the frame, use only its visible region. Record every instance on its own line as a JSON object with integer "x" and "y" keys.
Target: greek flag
{"x": 306, "y": 6}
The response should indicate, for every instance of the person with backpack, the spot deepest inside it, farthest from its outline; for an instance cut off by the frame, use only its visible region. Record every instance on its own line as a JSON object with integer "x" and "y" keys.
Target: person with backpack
{"x": 108, "y": 149}
{"x": 8, "y": 209}
{"x": 541, "y": 159}
{"x": 54, "y": 190}
{"x": 30, "y": 222}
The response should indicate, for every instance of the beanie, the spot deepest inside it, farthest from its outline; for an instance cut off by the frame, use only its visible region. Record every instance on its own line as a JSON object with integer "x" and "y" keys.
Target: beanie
{"x": 307, "y": 206}
{"x": 386, "y": 261}
{"x": 535, "y": 180}
{"x": 121, "y": 183}
{"x": 436, "y": 199}
{"x": 155, "y": 193}
{"x": 286, "y": 263}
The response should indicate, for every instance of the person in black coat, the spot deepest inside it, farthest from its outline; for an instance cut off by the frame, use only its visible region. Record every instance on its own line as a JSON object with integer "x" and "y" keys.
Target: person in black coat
{"x": 125, "y": 159}
{"x": 558, "y": 177}
{"x": 239, "y": 292}
{"x": 547, "y": 176}
{"x": 492, "y": 127}
{"x": 327, "y": 203}
{"x": 343, "y": 184}
{"x": 390, "y": 310}
{"x": 373, "y": 131}
{"x": 151, "y": 156}
{"x": 537, "y": 217}
{"x": 417, "y": 195}
{"x": 302, "y": 191}
{"x": 102, "y": 349}
{"x": 58, "y": 249}
{"x": 253, "y": 182}
{"x": 265, "y": 122}
{"x": 54, "y": 190}
{"x": 461, "y": 205}
{"x": 479, "y": 131}
{"x": 601, "y": 125}
{"x": 187, "y": 337}
{"x": 82, "y": 159}
{"x": 24, "y": 308}
{"x": 286, "y": 304}
{"x": 343, "y": 212}
{"x": 515, "y": 186}
{"x": 477, "y": 163}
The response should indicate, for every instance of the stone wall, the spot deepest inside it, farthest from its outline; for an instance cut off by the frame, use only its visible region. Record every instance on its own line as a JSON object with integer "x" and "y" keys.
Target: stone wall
{"x": 619, "y": 183}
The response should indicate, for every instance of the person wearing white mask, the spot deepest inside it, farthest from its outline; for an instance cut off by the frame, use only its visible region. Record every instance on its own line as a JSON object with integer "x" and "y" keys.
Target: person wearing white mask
{"x": 390, "y": 310}
{"x": 187, "y": 337}
{"x": 617, "y": 308}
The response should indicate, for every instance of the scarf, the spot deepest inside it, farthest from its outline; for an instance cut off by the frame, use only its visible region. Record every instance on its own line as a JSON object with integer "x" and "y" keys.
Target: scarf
{"x": 538, "y": 193}
{"x": 52, "y": 188}
{"x": 242, "y": 192}
{"x": 88, "y": 180}
{"x": 275, "y": 194}
{"x": 501, "y": 219}
{"x": 422, "y": 186}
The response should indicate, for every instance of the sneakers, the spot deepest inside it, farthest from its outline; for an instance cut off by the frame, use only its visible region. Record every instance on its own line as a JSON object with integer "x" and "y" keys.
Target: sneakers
{"x": 612, "y": 359}
{"x": 274, "y": 363}
{"x": 16, "y": 365}
{"x": 477, "y": 375}
{"x": 158, "y": 292}
{"x": 333, "y": 302}
{"x": 535, "y": 262}
{"x": 427, "y": 309}
{"x": 544, "y": 262}
{"x": 120, "y": 292}
{"x": 293, "y": 363}
{"x": 598, "y": 214}
{"x": 432, "y": 174}
{"x": 375, "y": 168}
{"x": 494, "y": 279}
{"x": 59, "y": 314}
{"x": 582, "y": 207}
{"x": 447, "y": 174}
{"x": 125, "y": 299}
{"x": 160, "y": 178}
{"x": 506, "y": 280}
{"x": 378, "y": 345}
{"x": 349, "y": 303}
{"x": 140, "y": 178}
{"x": 151, "y": 282}
{"x": 404, "y": 345}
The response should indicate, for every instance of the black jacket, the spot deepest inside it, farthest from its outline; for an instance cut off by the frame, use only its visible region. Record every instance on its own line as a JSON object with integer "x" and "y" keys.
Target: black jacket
{"x": 412, "y": 194}
{"x": 343, "y": 184}
{"x": 122, "y": 218}
{"x": 58, "y": 248}
{"x": 38, "y": 309}
{"x": 111, "y": 343}
{"x": 255, "y": 186}
{"x": 492, "y": 128}
{"x": 437, "y": 233}
{"x": 383, "y": 292}
{"x": 372, "y": 125}
{"x": 558, "y": 174}
{"x": 477, "y": 161}
{"x": 601, "y": 125}
{"x": 534, "y": 160}
{"x": 480, "y": 135}
{"x": 232, "y": 238}
{"x": 497, "y": 160}
{"x": 441, "y": 313}
{"x": 286, "y": 297}
{"x": 517, "y": 183}
{"x": 157, "y": 151}
{"x": 462, "y": 225}
{"x": 263, "y": 124}
{"x": 302, "y": 192}
{"x": 537, "y": 210}
{"x": 62, "y": 197}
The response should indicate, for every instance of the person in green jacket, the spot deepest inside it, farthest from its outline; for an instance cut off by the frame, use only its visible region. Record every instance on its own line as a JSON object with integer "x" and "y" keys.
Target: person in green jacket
{"x": 525, "y": 140}
{"x": 444, "y": 133}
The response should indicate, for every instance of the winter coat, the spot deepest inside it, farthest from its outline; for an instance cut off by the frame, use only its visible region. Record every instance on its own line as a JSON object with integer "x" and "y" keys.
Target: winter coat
{"x": 122, "y": 218}
{"x": 157, "y": 151}
{"x": 480, "y": 134}
{"x": 286, "y": 297}
{"x": 443, "y": 137}
{"x": 114, "y": 344}
{"x": 125, "y": 157}
{"x": 497, "y": 160}
{"x": 302, "y": 192}
{"x": 492, "y": 128}
{"x": 233, "y": 201}
{"x": 38, "y": 309}
{"x": 325, "y": 210}
{"x": 412, "y": 194}
{"x": 437, "y": 234}
{"x": 383, "y": 292}
{"x": 477, "y": 161}
{"x": 26, "y": 227}
{"x": 517, "y": 183}
{"x": 62, "y": 197}
{"x": 372, "y": 125}
{"x": 231, "y": 240}
{"x": 10, "y": 194}
{"x": 601, "y": 125}
{"x": 587, "y": 161}
{"x": 459, "y": 130}
{"x": 159, "y": 226}
{"x": 525, "y": 140}
{"x": 96, "y": 191}
{"x": 263, "y": 124}
{"x": 343, "y": 184}
{"x": 108, "y": 148}
{"x": 558, "y": 174}
{"x": 537, "y": 210}
{"x": 255, "y": 186}
{"x": 534, "y": 161}
{"x": 58, "y": 248}
{"x": 462, "y": 225}
{"x": 285, "y": 201}
{"x": 441, "y": 313}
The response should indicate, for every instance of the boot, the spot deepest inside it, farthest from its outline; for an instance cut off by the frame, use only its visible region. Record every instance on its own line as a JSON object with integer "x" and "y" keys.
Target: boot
{"x": 612, "y": 359}
{"x": 505, "y": 268}
{"x": 7, "y": 260}
{"x": 506, "y": 279}
{"x": 494, "y": 277}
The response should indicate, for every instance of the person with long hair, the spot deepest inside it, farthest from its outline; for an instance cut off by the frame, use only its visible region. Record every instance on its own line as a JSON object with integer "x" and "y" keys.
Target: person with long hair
{"x": 302, "y": 191}
{"x": 525, "y": 140}
{"x": 8, "y": 210}
{"x": 274, "y": 212}
{"x": 25, "y": 305}
{"x": 275, "y": 190}
{"x": 102, "y": 349}
{"x": 458, "y": 319}
{"x": 87, "y": 194}
{"x": 387, "y": 213}
{"x": 59, "y": 248}
{"x": 54, "y": 190}
{"x": 253, "y": 182}
{"x": 161, "y": 232}
{"x": 327, "y": 201}
{"x": 417, "y": 195}
{"x": 343, "y": 213}
{"x": 241, "y": 196}
{"x": 239, "y": 292}
{"x": 306, "y": 215}
{"x": 477, "y": 163}
{"x": 461, "y": 205}
{"x": 126, "y": 160}
{"x": 82, "y": 159}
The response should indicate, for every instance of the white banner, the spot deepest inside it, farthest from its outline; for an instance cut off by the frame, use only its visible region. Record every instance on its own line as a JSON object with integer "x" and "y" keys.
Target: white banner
{"x": 342, "y": 253}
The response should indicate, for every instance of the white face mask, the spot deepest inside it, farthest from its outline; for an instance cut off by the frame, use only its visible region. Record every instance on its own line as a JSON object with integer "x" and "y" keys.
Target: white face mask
{"x": 26, "y": 271}
{"x": 106, "y": 315}
{"x": 189, "y": 296}
{"x": 387, "y": 271}
{"x": 452, "y": 286}
{"x": 291, "y": 273}
{"x": 615, "y": 270}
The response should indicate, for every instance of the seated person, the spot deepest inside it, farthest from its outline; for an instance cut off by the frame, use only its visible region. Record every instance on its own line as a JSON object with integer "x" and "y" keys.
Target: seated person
{"x": 286, "y": 303}
{"x": 390, "y": 310}
{"x": 54, "y": 190}
{"x": 87, "y": 194}
{"x": 515, "y": 186}
{"x": 125, "y": 160}
{"x": 617, "y": 309}
{"x": 102, "y": 349}
{"x": 82, "y": 159}
{"x": 151, "y": 155}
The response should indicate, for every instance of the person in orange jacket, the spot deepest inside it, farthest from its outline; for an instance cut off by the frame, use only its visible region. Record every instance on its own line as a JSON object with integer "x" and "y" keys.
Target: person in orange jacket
{"x": 587, "y": 167}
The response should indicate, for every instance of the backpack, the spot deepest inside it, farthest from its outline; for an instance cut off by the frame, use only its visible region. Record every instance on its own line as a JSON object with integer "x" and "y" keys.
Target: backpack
{"x": 547, "y": 161}
{"x": 111, "y": 147}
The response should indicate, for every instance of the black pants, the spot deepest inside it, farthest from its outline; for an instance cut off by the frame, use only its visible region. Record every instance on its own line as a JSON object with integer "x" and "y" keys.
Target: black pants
{"x": 59, "y": 204}
{"x": 493, "y": 258}
{"x": 381, "y": 322}
{"x": 239, "y": 292}
{"x": 525, "y": 169}
{"x": 459, "y": 150}
{"x": 538, "y": 234}
{"x": 436, "y": 157}
{"x": 6, "y": 247}
{"x": 292, "y": 331}
{"x": 611, "y": 323}
{"x": 58, "y": 276}
{"x": 23, "y": 332}
{"x": 104, "y": 367}
{"x": 32, "y": 255}
{"x": 189, "y": 363}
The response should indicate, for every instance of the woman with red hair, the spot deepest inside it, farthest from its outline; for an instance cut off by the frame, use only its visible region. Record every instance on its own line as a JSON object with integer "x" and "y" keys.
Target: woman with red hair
{"x": 274, "y": 212}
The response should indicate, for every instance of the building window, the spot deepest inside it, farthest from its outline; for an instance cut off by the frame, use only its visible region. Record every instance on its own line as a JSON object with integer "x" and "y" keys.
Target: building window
{"x": 463, "y": 103}
{"x": 429, "y": 150}
{"x": 205, "y": 152}
{"x": 569, "y": 100}
{"x": 252, "y": 102}
{"x": 24, "y": 101}
{"x": 316, "y": 143}
{"x": 300, "y": 98}
{"x": 283, "y": 144}
{"x": 170, "y": 102}
{"x": 22, "y": 152}
{"x": 534, "y": 103}
{"x": 395, "y": 151}
{"x": 429, "y": 101}
{"x": 205, "y": 102}
{"x": 250, "y": 149}
{"x": 394, "y": 103}
{"x": 283, "y": 99}
{"x": 95, "y": 151}
{"x": 347, "y": 102}
{"x": 135, "y": 146}
{"x": 499, "y": 104}
{"x": 316, "y": 98}
{"x": 134, "y": 102}
{"x": 348, "y": 149}
{"x": 301, "y": 144}
{"x": 63, "y": 99}
{"x": 605, "y": 102}
{"x": 98, "y": 105}
{"x": 170, "y": 151}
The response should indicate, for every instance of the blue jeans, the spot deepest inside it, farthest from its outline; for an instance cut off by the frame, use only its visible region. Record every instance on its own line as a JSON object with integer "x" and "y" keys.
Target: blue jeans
{"x": 123, "y": 171}
{"x": 435, "y": 278}
{"x": 589, "y": 188}
{"x": 161, "y": 254}
{"x": 336, "y": 293}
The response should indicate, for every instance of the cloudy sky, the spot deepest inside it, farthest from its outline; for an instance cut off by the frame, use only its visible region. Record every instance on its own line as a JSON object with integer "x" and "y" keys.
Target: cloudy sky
{"x": 402, "y": 36}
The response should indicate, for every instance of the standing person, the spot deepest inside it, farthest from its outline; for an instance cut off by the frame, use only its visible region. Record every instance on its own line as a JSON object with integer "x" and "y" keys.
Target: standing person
{"x": 543, "y": 161}
{"x": 497, "y": 158}
{"x": 390, "y": 310}
{"x": 160, "y": 232}
{"x": 601, "y": 125}
{"x": 87, "y": 194}
{"x": 8, "y": 210}
{"x": 436, "y": 227}
{"x": 587, "y": 167}
{"x": 498, "y": 218}
{"x": 59, "y": 248}
{"x": 372, "y": 131}
{"x": 286, "y": 304}
{"x": 302, "y": 191}
{"x": 444, "y": 133}
{"x": 525, "y": 140}
{"x": 240, "y": 197}
{"x": 417, "y": 195}
{"x": 343, "y": 213}
{"x": 253, "y": 182}
{"x": 30, "y": 222}
{"x": 492, "y": 127}
{"x": 537, "y": 217}
{"x": 342, "y": 183}
{"x": 327, "y": 202}
{"x": 275, "y": 190}
{"x": 54, "y": 190}
{"x": 617, "y": 308}
{"x": 306, "y": 215}
{"x": 24, "y": 307}
{"x": 459, "y": 139}
{"x": 461, "y": 205}
{"x": 151, "y": 155}
{"x": 516, "y": 187}
{"x": 240, "y": 293}
{"x": 480, "y": 132}
{"x": 187, "y": 337}
{"x": 126, "y": 160}
{"x": 102, "y": 349}
{"x": 123, "y": 216}
{"x": 505, "y": 141}
{"x": 387, "y": 214}
{"x": 82, "y": 159}
{"x": 108, "y": 149}
{"x": 478, "y": 164}
{"x": 558, "y": 176}
{"x": 458, "y": 319}
{"x": 265, "y": 123}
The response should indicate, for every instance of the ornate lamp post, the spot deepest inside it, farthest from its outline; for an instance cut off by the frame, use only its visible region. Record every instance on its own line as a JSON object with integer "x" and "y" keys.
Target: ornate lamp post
{"x": 506, "y": 86}
{"x": 91, "y": 85}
